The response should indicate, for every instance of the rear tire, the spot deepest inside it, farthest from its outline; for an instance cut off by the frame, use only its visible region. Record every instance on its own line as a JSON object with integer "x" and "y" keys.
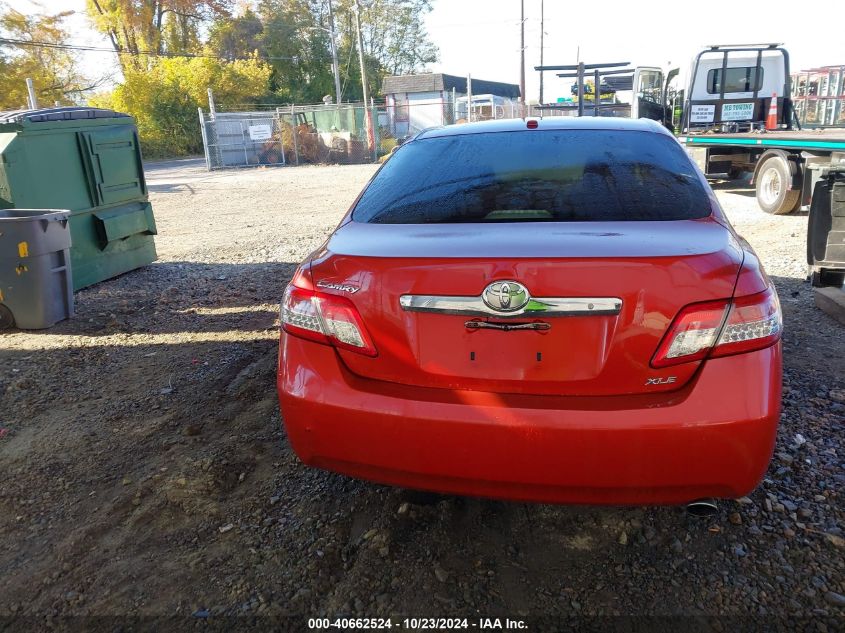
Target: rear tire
{"x": 828, "y": 278}
{"x": 771, "y": 185}
{"x": 7, "y": 319}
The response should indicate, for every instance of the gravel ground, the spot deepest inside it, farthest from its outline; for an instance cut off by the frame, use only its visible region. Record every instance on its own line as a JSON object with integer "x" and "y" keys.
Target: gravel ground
{"x": 145, "y": 473}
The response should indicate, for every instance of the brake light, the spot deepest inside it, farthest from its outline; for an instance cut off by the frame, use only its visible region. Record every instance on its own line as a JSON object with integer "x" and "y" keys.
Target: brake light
{"x": 326, "y": 319}
{"x": 692, "y": 334}
{"x": 721, "y": 328}
{"x": 754, "y": 322}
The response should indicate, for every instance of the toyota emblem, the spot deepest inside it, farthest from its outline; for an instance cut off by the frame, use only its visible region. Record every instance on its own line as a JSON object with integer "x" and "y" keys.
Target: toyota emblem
{"x": 505, "y": 296}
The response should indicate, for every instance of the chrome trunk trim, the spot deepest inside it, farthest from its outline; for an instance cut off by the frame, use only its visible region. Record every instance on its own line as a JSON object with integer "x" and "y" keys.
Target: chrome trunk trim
{"x": 540, "y": 307}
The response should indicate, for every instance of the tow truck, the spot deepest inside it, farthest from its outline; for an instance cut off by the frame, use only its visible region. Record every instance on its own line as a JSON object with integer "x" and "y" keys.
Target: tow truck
{"x": 729, "y": 127}
{"x": 731, "y": 92}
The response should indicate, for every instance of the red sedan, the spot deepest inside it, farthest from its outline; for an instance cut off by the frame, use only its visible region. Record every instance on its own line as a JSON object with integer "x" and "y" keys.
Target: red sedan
{"x": 553, "y": 310}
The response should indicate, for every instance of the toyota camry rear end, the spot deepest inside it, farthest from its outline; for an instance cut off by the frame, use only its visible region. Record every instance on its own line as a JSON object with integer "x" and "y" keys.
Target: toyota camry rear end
{"x": 553, "y": 311}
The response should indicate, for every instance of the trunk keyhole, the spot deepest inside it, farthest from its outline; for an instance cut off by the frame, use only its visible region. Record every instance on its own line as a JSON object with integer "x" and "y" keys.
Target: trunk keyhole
{"x": 472, "y": 355}
{"x": 539, "y": 356}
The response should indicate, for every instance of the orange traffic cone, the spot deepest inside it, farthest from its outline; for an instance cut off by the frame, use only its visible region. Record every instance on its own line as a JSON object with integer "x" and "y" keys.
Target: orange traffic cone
{"x": 772, "y": 119}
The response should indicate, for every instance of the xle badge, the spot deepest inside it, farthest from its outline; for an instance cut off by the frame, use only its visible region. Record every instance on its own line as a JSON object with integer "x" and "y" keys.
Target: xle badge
{"x": 660, "y": 381}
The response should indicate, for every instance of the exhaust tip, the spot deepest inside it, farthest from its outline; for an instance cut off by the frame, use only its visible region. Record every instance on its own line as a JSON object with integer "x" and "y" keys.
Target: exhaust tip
{"x": 702, "y": 507}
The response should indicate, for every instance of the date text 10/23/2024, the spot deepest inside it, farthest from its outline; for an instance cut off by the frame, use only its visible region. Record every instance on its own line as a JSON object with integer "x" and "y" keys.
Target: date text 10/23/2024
{"x": 417, "y": 624}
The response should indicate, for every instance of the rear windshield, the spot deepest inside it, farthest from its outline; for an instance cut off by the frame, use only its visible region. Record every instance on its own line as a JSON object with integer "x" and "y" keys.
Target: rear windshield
{"x": 554, "y": 176}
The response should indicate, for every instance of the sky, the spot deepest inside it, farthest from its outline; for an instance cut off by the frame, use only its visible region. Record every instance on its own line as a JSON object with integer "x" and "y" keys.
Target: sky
{"x": 482, "y": 36}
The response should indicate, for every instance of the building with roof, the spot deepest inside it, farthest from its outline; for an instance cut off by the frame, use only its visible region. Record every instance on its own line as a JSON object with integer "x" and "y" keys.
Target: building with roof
{"x": 416, "y": 102}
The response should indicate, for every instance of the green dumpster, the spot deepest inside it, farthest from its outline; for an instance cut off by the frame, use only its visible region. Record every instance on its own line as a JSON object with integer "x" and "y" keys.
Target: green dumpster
{"x": 87, "y": 160}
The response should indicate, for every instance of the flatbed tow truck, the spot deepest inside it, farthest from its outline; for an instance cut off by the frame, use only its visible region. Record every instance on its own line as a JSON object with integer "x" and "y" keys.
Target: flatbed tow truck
{"x": 738, "y": 117}
{"x": 791, "y": 170}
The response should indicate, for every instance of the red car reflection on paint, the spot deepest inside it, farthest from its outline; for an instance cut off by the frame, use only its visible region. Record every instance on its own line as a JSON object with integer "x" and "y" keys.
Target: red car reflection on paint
{"x": 556, "y": 312}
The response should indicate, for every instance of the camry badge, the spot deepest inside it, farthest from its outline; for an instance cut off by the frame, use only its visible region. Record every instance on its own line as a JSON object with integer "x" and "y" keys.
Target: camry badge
{"x": 506, "y": 296}
{"x": 342, "y": 287}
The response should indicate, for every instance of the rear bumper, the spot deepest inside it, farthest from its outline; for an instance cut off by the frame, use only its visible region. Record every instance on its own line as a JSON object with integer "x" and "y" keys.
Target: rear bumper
{"x": 713, "y": 438}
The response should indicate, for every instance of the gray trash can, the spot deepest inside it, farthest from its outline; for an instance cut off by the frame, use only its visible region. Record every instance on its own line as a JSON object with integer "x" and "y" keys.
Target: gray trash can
{"x": 36, "y": 287}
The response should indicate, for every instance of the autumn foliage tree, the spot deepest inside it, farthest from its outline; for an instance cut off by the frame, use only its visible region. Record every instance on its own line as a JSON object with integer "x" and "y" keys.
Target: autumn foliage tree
{"x": 53, "y": 71}
{"x": 167, "y": 70}
{"x": 153, "y": 26}
{"x": 164, "y": 98}
{"x": 269, "y": 51}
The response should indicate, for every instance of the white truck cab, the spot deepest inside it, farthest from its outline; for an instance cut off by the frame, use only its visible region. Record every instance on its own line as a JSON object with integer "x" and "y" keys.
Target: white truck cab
{"x": 731, "y": 87}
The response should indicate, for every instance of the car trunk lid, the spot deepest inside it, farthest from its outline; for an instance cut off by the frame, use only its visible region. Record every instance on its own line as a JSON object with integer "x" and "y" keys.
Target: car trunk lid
{"x": 613, "y": 288}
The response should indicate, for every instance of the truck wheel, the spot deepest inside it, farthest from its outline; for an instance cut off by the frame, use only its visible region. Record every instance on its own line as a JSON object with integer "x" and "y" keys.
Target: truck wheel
{"x": 772, "y": 193}
{"x": 827, "y": 278}
{"x": 7, "y": 319}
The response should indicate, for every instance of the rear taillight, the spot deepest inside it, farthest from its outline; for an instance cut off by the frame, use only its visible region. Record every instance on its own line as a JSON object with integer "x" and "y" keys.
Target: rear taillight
{"x": 692, "y": 334}
{"x": 754, "y": 322}
{"x": 326, "y": 319}
{"x": 721, "y": 328}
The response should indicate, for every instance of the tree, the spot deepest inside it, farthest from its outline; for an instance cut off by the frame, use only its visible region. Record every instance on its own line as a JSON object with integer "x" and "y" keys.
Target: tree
{"x": 237, "y": 37}
{"x": 395, "y": 39}
{"x": 153, "y": 26}
{"x": 394, "y": 34}
{"x": 53, "y": 71}
{"x": 296, "y": 44}
{"x": 295, "y": 40}
{"x": 164, "y": 98}
{"x": 274, "y": 51}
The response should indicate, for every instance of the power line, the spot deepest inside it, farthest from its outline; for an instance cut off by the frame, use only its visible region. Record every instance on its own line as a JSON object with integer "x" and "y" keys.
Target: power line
{"x": 448, "y": 25}
{"x": 101, "y": 49}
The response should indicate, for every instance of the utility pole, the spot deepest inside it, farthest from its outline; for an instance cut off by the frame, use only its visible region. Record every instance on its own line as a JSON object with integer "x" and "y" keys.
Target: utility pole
{"x": 542, "y": 28}
{"x": 368, "y": 117}
{"x": 30, "y": 90}
{"x": 334, "y": 55}
{"x": 211, "y": 108}
{"x": 522, "y": 58}
{"x": 469, "y": 98}
{"x": 580, "y": 88}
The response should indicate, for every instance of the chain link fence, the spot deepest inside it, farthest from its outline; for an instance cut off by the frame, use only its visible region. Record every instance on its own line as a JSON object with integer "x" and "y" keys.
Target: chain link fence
{"x": 237, "y": 139}
{"x": 348, "y": 133}
{"x": 340, "y": 134}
